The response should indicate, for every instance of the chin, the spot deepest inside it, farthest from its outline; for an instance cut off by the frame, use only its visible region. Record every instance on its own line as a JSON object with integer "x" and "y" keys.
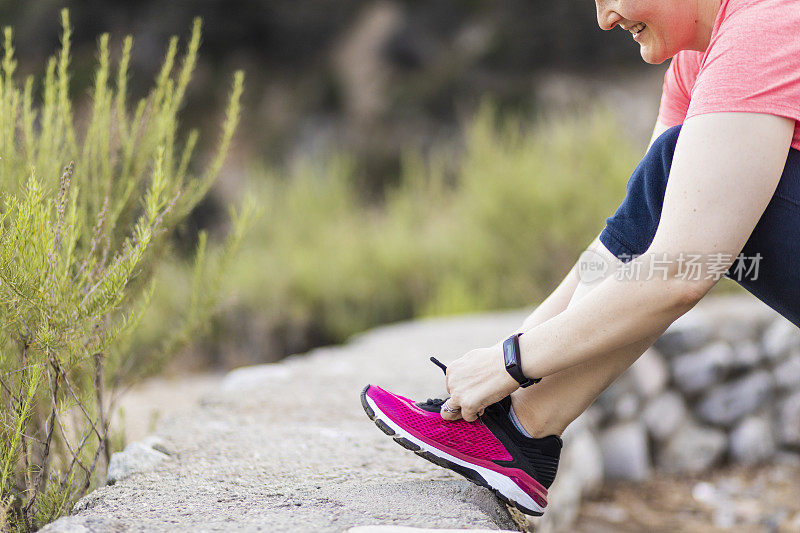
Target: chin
{"x": 653, "y": 57}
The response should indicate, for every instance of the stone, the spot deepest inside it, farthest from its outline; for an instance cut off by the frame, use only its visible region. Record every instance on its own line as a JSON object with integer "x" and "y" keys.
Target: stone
{"x": 664, "y": 414}
{"x": 649, "y": 373}
{"x": 254, "y": 377}
{"x": 608, "y": 400}
{"x": 138, "y": 456}
{"x": 787, "y": 457}
{"x": 158, "y": 444}
{"x": 787, "y": 373}
{"x": 689, "y": 332}
{"x": 747, "y": 354}
{"x": 626, "y": 452}
{"x": 585, "y": 460}
{"x": 704, "y": 492}
{"x": 789, "y": 417}
{"x": 737, "y": 316}
{"x": 699, "y": 370}
{"x": 73, "y": 524}
{"x": 752, "y": 441}
{"x": 737, "y": 331}
{"x": 626, "y": 406}
{"x": 692, "y": 449}
{"x": 779, "y": 338}
{"x": 563, "y": 505}
{"x": 727, "y": 403}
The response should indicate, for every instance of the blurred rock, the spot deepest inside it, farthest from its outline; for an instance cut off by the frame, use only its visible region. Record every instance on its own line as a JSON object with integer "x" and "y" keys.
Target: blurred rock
{"x": 70, "y": 524}
{"x": 789, "y": 420}
{"x": 746, "y": 354}
{"x": 688, "y": 333}
{"x": 703, "y": 368}
{"x": 737, "y": 317}
{"x": 606, "y": 403}
{"x": 137, "y": 456}
{"x": 727, "y": 403}
{"x": 564, "y": 500}
{"x": 692, "y": 449}
{"x": 704, "y": 492}
{"x": 780, "y": 337}
{"x": 663, "y": 414}
{"x": 254, "y": 377}
{"x": 787, "y": 373}
{"x": 626, "y": 453}
{"x": 626, "y": 407}
{"x": 649, "y": 374}
{"x": 752, "y": 440}
{"x": 586, "y": 460}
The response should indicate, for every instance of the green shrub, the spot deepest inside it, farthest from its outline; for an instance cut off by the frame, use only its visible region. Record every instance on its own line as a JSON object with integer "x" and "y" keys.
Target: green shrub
{"x": 78, "y": 257}
{"x": 496, "y": 223}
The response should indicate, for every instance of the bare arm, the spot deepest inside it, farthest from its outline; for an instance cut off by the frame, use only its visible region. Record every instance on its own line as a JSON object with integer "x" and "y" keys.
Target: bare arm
{"x": 725, "y": 170}
{"x": 561, "y": 296}
{"x": 657, "y": 131}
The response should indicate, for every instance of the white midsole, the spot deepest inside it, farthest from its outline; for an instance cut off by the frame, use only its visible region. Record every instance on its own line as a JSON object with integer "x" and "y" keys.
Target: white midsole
{"x": 499, "y": 482}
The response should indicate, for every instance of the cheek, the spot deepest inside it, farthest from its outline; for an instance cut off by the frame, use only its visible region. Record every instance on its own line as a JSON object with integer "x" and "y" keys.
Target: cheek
{"x": 674, "y": 27}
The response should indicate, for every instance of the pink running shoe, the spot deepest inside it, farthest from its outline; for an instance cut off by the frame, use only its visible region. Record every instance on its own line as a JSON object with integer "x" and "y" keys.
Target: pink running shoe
{"x": 490, "y": 451}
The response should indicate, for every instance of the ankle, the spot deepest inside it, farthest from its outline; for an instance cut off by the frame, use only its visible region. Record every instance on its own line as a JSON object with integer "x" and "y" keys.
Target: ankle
{"x": 536, "y": 423}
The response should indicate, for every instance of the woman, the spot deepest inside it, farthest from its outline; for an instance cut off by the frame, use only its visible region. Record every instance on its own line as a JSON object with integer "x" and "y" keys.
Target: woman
{"x": 719, "y": 183}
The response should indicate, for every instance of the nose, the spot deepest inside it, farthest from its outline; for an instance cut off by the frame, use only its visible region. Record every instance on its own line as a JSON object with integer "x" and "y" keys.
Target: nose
{"x": 607, "y": 18}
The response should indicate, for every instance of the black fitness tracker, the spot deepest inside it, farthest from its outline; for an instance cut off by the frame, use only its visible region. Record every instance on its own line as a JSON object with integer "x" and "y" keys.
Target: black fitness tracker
{"x": 513, "y": 366}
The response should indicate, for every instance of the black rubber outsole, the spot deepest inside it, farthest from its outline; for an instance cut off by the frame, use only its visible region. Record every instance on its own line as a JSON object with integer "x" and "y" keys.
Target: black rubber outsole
{"x": 468, "y": 473}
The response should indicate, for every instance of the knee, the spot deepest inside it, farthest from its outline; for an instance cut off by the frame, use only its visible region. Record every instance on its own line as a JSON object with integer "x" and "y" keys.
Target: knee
{"x": 663, "y": 148}
{"x": 651, "y": 174}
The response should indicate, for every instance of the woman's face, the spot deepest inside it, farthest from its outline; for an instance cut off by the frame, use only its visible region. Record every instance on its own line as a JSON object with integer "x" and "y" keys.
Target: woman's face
{"x": 661, "y": 27}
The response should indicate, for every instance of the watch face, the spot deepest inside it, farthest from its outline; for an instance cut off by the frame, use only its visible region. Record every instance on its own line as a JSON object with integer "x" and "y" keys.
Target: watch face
{"x": 508, "y": 352}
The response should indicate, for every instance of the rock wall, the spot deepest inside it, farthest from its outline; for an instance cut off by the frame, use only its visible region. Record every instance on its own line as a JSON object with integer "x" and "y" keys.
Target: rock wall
{"x": 721, "y": 385}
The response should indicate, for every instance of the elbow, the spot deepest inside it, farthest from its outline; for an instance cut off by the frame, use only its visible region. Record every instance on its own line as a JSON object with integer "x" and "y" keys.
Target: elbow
{"x": 685, "y": 294}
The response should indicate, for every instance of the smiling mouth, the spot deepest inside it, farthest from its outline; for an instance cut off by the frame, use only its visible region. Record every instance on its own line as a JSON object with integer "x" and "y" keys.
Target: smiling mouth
{"x": 636, "y": 29}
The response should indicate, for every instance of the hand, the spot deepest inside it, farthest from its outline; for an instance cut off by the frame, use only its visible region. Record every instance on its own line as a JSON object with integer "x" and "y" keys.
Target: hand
{"x": 476, "y": 380}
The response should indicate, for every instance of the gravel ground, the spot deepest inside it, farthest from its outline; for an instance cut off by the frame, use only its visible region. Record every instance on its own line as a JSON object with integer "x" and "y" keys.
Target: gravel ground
{"x": 760, "y": 499}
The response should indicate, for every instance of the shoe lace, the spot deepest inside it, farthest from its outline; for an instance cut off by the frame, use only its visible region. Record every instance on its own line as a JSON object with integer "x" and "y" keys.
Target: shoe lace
{"x": 433, "y": 402}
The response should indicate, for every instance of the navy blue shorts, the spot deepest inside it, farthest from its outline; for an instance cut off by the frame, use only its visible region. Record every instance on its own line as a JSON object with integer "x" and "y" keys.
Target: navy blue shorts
{"x": 775, "y": 240}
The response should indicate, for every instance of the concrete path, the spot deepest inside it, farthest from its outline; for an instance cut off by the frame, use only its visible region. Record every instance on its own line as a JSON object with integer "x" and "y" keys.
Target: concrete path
{"x": 287, "y": 447}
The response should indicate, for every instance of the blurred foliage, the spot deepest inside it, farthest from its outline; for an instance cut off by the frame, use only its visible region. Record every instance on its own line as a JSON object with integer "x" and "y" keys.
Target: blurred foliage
{"x": 427, "y": 67}
{"x": 78, "y": 256}
{"x": 495, "y": 223}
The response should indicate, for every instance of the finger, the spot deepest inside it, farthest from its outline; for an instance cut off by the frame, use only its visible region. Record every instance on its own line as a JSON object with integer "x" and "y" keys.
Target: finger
{"x": 450, "y": 410}
{"x": 447, "y": 381}
{"x": 469, "y": 413}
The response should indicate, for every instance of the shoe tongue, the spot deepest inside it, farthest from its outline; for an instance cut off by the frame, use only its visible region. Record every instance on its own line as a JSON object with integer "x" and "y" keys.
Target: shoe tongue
{"x": 434, "y": 405}
{"x": 503, "y": 406}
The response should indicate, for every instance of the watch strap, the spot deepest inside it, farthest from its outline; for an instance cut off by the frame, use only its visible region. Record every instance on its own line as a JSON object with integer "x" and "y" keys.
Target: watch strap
{"x": 511, "y": 356}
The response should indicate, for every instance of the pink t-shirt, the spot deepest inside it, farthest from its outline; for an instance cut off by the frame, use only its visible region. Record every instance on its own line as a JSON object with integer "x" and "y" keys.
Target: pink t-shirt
{"x": 752, "y": 64}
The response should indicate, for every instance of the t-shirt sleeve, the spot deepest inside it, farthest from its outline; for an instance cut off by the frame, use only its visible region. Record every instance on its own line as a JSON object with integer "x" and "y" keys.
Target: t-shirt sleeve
{"x": 677, "y": 87}
{"x": 753, "y": 62}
